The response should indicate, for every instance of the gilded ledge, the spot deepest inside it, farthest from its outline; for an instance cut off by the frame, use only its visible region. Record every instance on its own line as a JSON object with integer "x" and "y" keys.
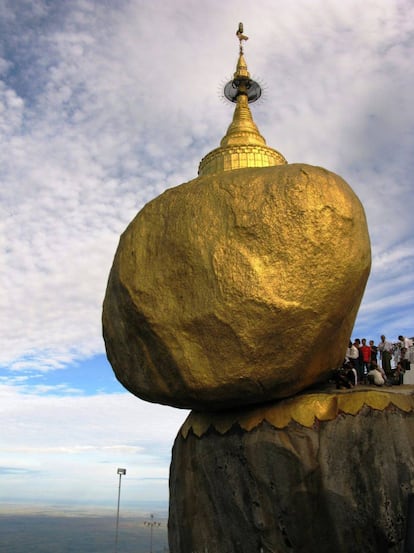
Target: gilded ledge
{"x": 304, "y": 409}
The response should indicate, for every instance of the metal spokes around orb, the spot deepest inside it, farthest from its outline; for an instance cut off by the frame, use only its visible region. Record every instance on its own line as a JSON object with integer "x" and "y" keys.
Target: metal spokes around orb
{"x": 235, "y": 87}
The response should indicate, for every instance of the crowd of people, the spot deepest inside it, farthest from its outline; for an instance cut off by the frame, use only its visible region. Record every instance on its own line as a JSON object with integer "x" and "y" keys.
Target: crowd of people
{"x": 381, "y": 364}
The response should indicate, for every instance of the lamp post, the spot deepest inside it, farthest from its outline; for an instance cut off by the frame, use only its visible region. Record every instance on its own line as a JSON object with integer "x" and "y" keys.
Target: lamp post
{"x": 151, "y": 523}
{"x": 121, "y": 472}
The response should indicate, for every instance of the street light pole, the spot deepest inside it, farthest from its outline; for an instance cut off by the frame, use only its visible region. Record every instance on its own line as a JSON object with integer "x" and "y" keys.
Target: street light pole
{"x": 120, "y": 472}
{"x": 151, "y": 524}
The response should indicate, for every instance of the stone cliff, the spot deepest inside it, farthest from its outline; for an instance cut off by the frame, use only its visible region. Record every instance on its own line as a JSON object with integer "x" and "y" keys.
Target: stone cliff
{"x": 321, "y": 472}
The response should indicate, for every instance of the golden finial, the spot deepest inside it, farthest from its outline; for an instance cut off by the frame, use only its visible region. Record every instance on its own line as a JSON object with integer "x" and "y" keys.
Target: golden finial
{"x": 243, "y": 145}
{"x": 241, "y": 36}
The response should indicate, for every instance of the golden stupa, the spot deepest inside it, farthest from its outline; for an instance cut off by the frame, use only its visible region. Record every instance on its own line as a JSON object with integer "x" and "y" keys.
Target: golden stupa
{"x": 243, "y": 145}
{"x": 242, "y": 285}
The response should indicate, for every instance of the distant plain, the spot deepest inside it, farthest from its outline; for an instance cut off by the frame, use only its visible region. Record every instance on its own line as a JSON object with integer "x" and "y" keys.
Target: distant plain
{"x": 27, "y": 529}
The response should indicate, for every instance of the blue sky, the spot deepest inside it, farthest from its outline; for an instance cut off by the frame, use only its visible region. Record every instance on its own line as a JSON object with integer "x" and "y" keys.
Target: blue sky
{"x": 104, "y": 105}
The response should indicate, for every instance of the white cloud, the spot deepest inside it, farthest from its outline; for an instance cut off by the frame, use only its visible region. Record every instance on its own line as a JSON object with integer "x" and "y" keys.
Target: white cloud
{"x": 68, "y": 448}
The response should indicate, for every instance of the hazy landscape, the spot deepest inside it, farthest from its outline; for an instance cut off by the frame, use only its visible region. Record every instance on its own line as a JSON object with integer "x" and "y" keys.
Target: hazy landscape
{"x": 48, "y": 530}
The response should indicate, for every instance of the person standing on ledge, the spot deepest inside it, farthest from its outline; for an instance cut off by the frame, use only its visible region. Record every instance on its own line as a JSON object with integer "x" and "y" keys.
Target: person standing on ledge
{"x": 405, "y": 342}
{"x": 366, "y": 357}
{"x": 385, "y": 348}
{"x": 352, "y": 354}
{"x": 405, "y": 345}
{"x": 374, "y": 351}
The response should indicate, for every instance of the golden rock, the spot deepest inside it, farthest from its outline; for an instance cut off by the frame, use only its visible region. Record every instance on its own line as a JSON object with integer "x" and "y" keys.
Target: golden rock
{"x": 238, "y": 287}
{"x": 241, "y": 286}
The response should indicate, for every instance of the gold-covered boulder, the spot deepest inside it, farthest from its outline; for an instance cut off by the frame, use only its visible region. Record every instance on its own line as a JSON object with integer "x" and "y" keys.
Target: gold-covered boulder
{"x": 237, "y": 288}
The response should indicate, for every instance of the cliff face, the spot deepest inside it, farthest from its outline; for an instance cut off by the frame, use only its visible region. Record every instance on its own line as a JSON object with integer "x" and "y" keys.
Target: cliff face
{"x": 259, "y": 480}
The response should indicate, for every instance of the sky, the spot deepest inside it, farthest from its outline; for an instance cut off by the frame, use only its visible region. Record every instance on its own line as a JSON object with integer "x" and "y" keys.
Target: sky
{"x": 103, "y": 106}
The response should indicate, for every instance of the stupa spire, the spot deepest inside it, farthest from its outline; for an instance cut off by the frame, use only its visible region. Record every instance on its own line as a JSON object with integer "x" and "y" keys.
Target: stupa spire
{"x": 243, "y": 145}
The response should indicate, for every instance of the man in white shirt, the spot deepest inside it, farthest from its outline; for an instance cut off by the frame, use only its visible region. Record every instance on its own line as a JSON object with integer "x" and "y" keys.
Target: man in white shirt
{"x": 352, "y": 353}
{"x": 405, "y": 345}
{"x": 376, "y": 377}
{"x": 405, "y": 342}
{"x": 385, "y": 348}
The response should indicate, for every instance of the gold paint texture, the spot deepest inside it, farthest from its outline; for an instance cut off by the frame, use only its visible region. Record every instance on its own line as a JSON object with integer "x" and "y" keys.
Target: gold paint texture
{"x": 304, "y": 409}
{"x": 241, "y": 67}
{"x": 237, "y": 288}
{"x": 243, "y": 145}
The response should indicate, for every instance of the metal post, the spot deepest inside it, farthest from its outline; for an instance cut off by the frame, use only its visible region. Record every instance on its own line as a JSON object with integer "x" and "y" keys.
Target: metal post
{"x": 151, "y": 524}
{"x": 120, "y": 472}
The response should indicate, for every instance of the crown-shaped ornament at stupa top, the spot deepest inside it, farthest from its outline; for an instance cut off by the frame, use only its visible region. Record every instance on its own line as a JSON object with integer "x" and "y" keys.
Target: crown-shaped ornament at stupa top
{"x": 243, "y": 145}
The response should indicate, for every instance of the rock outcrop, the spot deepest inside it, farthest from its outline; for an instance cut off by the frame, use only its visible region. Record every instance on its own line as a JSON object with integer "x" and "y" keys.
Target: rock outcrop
{"x": 237, "y": 288}
{"x": 319, "y": 473}
{"x": 240, "y": 288}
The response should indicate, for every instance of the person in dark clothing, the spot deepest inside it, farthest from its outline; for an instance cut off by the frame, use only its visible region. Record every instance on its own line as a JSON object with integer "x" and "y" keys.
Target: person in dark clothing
{"x": 399, "y": 374}
{"x": 345, "y": 377}
{"x": 374, "y": 351}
